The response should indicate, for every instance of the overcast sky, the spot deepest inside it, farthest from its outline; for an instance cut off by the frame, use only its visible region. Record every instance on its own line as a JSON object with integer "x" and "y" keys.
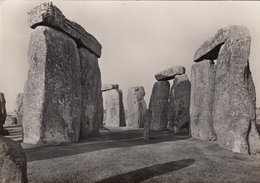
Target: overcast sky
{"x": 139, "y": 39}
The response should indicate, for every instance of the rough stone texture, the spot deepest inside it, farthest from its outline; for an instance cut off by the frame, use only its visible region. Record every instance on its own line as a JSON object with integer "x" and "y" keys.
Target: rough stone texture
{"x": 92, "y": 101}
{"x": 202, "y": 99}
{"x": 179, "y": 104}
{"x": 18, "y": 108}
{"x": 106, "y": 87}
{"x": 170, "y": 73}
{"x": 52, "y": 94}
{"x": 2, "y": 113}
{"x": 49, "y": 15}
{"x": 114, "y": 108}
{"x": 13, "y": 162}
{"x": 234, "y": 110}
{"x": 10, "y": 120}
{"x": 159, "y": 105}
{"x": 147, "y": 124}
{"x": 136, "y": 107}
{"x": 210, "y": 48}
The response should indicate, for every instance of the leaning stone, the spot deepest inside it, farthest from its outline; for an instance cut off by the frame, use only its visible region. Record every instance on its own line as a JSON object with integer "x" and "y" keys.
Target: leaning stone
{"x": 202, "y": 99}
{"x": 114, "y": 108}
{"x": 2, "y": 113}
{"x": 159, "y": 105}
{"x": 170, "y": 73}
{"x": 92, "y": 101}
{"x": 234, "y": 109}
{"x": 49, "y": 15}
{"x": 52, "y": 95}
{"x": 13, "y": 161}
{"x": 136, "y": 107}
{"x": 18, "y": 109}
{"x": 179, "y": 104}
{"x": 106, "y": 87}
{"x": 210, "y": 48}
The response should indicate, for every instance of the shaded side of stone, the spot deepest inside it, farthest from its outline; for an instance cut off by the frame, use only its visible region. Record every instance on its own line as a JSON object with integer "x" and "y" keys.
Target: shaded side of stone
{"x": 2, "y": 113}
{"x": 52, "y": 94}
{"x": 234, "y": 114}
{"x": 179, "y": 104}
{"x": 122, "y": 109}
{"x": 13, "y": 161}
{"x": 49, "y": 15}
{"x": 136, "y": 107}
{"x": 18, "y": 109}
{"x": 159, "y": 105}
{"x": 202, "y": 98}
{"x": 170, "y": 73}
{"x": 92, "y": 101}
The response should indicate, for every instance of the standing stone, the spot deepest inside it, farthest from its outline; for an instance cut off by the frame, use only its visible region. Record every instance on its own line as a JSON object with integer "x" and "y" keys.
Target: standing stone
{"x": 147, "y": 124}
{"x": 52, "y": 97}
{"x": 92, "y": 101}
{"x": 179, "y": 104}
{"x": 202, "y": 99}
{"x": 2, "y": 113}
{"x": 170, "y": 73}
{"x": 114, "y": 108}
{"x": 18, "y": 108}
{"x": 136, "y": 107}
{"x": 159, "y": 105}
{"x": 13, "y": 162}
{"x": 234, "y": 110}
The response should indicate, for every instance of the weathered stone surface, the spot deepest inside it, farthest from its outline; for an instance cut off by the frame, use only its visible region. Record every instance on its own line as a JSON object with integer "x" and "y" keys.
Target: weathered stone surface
{"x": 2, "y": 113}
{"x": 106, "y": 87}
{"x": 179, "y": 104}
{"x": 234, "y": 114}
{"x": 170, "y": 73}
{"x": 147, "y": 124}
{"x": 202, "y": 99}
{"x": 52, "y": 94}
{"x": 114, "y": 108}
{"x": 10, "y": 120}
{"x": 18, "y": 108}
{"x": 92, "y": 101}
{"x": 13, "y": 162}
{"x": 136, "y": 107}
{"x": 49, "y": 15}
{"x": 210, "y": 48}
{"x": 159, "y": 105}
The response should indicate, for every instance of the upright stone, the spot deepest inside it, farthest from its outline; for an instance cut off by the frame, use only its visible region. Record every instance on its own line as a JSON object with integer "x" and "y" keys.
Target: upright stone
{"x": 13, "y": 161}
{"x": 202, "y": 99}
{"x": 159, "y": 105}
{"x": 147, "y": 124}
{"x": 179, "y": 104}
{"x": 2, "y": 113}
{"x": 234, "y": 110}
{"x": 52, "y": 94}
{"x": 114, "y": 108}
{"x": 92, "y": 101}
{"x": 18, "y": 110}
{"x": 136, "y": 107}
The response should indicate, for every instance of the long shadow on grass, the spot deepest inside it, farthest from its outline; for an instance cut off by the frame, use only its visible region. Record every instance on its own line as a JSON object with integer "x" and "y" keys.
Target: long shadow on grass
{"x": 149, "y": 172}
{"x": 106, "y": 141}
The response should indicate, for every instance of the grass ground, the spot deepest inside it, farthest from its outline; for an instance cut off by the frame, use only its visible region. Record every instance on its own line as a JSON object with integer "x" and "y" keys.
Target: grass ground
{"x": 121, "y": 155}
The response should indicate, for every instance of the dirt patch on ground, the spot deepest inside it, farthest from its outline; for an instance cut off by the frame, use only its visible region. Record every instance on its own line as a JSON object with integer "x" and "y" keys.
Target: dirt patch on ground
{"x": 121, "y": 155}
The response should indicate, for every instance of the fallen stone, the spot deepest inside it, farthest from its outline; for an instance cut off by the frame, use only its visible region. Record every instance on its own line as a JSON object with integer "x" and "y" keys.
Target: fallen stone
{"x": 13, "y": 161}
{"x": 159, "y": 105}
{"x": 136, "y": 107}
{"x": 170, "y": 73}
{"x": 202, "y": 99}
{"x": 92, "y": 101}
{"x": 52, "y": 94}
{"x": 114, "y": 108}
{"x": 179, "y": 104}
{"x": 2, "y": 113}
{"x": 106, "y": 87}
{"x": 47, "y": 14}
{"x": 10, "y": 120}
{"x": 18, "y": 110}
